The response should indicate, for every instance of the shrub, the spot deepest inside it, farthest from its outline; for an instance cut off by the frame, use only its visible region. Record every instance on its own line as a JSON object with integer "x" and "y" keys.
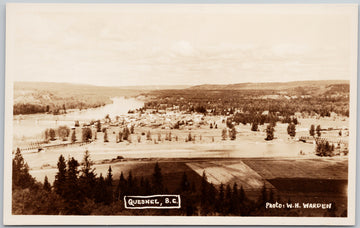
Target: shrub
{"x": 224, "y": 134}
{"x": 63, "y": 132}
{"x": 270, "y": 132}
{"x": 291, "y": 129}
{"x": 323, "y": 148}
{"x": 52, "y": 134}
{"x": 232, "y": 133}
{"x": 254, "y": 126}
{"x": 86, "y": 134}
{"x": 106, "y": 136}
{"x": 77, "y": 124}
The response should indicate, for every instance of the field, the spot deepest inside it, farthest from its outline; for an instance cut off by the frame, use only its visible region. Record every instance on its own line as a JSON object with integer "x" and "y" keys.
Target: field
{"x": 304, "y": 180}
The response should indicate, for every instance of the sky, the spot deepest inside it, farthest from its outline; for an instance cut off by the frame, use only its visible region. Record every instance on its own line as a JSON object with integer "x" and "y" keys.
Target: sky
{"x": 172, "y": 44}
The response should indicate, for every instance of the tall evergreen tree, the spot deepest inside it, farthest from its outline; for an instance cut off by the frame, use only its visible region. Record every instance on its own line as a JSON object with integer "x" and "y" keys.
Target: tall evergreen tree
{"x": 147, "y": 188}
{"x": 242, "y": 194}
{"x": 190, "y": 138}
{"x": 186, "y": 201}
{"x": 312, "y": 130}
{"x": 203, "y": 189}
{"x": 142, "y": 186}
{"x": 109, "y": 187}
{"x": 100, "y": 190}
{"x": 210, "y": 198}
{"x": 126, "y": 133}
{"x": 87, "y": 179}
{"x": 185, "y": 185}
{"x": 271, "y": 196}
{"x": 148, "y": 136}
{"x": 157, "y": 180}
{"x": 220, "y": 199}
{"x": 207, "y": 195}
{"x": 106, "y": 136}
{"x": 46, "y": 186}
{"x": 20, "y": 172}
{"x": 98, "y": 126}
{"x": 263, "y": 197}
{"x": 235, "y": 203}
{"x": 109, "y": 179}
{"x": 228, "y": 200}
{"x": 270, "y": 132}
{"x": 60, "y": 177}
{"x": 135, "y": 186}
{"x": 291, "y": 129}
{"x": 233, "y": 133}
{"x": 120, "y": 136}
{"x": 72, "y": 194}
{"x": 121, "y": 188}
{"x": 224, "y": 134}
{"x": 46, "y": 135}
{"x": 318, "y": 130}
{"x": 130, "y": 184}
{"x": 73, "y": 136}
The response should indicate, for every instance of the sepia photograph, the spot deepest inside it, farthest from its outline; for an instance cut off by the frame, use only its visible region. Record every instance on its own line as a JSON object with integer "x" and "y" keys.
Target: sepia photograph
{"x": 180, "y": 114}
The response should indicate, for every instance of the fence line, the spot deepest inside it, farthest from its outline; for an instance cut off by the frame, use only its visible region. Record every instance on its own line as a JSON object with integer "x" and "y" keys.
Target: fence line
{"x": 38, "y": 146}
{"x": 339, "y": 141}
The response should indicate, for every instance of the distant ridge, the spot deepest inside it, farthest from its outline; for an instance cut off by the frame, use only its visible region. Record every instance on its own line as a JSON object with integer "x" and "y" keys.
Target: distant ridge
{"x": 270, "y": 85}
{"x": 57, "y": 85}
{"x": 67, "y": 87}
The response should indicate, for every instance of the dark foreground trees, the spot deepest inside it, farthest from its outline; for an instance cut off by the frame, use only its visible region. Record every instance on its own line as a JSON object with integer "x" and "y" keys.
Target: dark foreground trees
{"x": 78, "y": 190}
{"x": 20, "y": 174}
{"x": 29, "y": 196}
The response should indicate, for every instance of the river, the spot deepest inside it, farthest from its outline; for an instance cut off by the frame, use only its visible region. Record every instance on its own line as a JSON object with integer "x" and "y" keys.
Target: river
{"x": 27, "y": 127}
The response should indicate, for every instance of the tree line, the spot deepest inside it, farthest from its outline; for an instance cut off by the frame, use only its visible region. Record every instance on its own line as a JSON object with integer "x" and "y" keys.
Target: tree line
{"x": 78, "y": 190}
{"x": 227, "y": 102}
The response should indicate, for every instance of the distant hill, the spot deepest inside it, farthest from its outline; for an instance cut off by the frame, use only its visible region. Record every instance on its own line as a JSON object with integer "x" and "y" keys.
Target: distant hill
{"x": 271, "y": 85}
{"x": 50, "y": 97}
{"x": 69, "y": 87}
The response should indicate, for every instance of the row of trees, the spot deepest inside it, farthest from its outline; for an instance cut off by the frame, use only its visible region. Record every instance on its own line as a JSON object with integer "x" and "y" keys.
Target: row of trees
{"x": 62, "y": 132}
{"x": 231, "y": 133}
{"x": 254, "y": 117}
{"x": 123, "y": 135}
